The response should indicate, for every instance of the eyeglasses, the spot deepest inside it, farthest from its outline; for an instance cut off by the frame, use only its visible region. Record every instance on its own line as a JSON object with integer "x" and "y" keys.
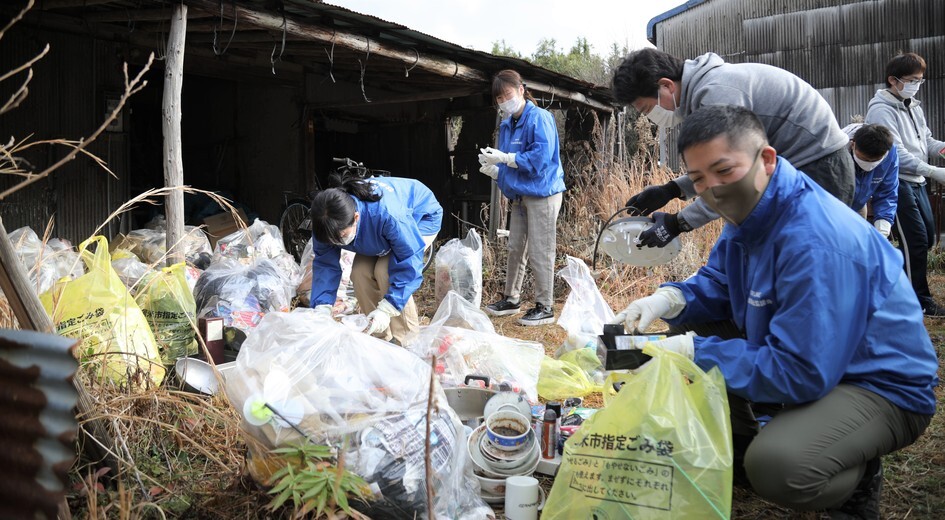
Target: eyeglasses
{"x": 911, "y": 81}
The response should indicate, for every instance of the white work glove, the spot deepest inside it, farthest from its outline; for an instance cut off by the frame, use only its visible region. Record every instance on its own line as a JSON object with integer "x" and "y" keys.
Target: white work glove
{"x": 491, "y": 170}
{"x": 324, "y": 310}
{"x": 937, "y": 174}
{"x": 666, "y": 302}
{"x": 380, "y": 317}
{"x": 682, "y": 344}
{"x": 493, "y": 156}
{"x": 883, "y": 226}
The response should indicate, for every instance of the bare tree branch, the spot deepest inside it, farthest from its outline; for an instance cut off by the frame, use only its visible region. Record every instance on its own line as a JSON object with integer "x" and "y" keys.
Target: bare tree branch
{"x": 131, "y": 87}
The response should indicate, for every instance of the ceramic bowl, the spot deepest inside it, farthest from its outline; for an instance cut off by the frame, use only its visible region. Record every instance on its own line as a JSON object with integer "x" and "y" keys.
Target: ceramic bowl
{"x": 491, "y": 486}
{"x": 500, "y": 460}
{"x": 480, "y": 465}
{"x": 508, "y": 430}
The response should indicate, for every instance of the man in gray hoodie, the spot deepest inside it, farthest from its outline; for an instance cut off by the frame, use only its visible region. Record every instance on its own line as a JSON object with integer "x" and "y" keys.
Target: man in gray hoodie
{"x": 798, "y": 121}
{"x": 896, "y": 108}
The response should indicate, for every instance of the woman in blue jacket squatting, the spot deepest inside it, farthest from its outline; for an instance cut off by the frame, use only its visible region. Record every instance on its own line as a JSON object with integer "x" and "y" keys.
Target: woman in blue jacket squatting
{"x": 527, "y": 168}
{"x": 387, "y": 222}
{"x": 829, "y": 324}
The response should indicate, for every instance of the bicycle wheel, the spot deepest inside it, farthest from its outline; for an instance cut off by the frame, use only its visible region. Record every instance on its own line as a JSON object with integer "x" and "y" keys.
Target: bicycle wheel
{"x": 296, "y": 228}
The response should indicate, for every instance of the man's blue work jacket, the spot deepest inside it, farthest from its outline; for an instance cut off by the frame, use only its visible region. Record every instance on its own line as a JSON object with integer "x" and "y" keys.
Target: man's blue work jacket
{"x": 821, "y": 298}
{"x": 882, "y": 185}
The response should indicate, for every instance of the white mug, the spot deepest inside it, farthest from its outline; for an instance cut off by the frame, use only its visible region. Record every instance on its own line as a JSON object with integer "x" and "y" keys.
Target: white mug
{"x": 523, "y": 498}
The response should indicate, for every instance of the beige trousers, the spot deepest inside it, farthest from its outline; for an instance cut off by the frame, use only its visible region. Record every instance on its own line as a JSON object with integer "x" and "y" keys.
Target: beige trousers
{"x": 371, "y": 282}
{"x": 532, "y": 241}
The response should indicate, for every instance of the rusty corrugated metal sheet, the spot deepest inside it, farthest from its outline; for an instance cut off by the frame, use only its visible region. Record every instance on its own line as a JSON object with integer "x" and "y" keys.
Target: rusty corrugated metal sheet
{"x": 839, "y": 46}
{"x": 37, "y": 423}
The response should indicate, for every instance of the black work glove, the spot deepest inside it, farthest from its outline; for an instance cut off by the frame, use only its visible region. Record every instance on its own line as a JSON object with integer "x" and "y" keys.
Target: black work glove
{"x": 653, "y": 198}
{"x": 666, "y": 227}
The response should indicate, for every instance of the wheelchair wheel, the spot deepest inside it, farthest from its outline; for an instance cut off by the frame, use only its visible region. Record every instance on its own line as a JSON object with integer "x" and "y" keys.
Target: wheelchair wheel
{"x": 296, "y": 228}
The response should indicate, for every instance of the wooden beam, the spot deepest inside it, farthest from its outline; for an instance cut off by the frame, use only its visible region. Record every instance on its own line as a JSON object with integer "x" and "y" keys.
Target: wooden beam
{"x": 171, "y": 110}
{"x": 402, "y": 98}
{"x": 45, "y": 5}
{"x": 138, "y": 15}
{"x": 567, "y": 94}
{"x": 430, "y": 63}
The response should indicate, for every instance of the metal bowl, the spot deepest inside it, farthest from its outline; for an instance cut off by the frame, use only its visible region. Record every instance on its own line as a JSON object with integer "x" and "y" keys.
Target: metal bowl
{"x": 199, "y": 376}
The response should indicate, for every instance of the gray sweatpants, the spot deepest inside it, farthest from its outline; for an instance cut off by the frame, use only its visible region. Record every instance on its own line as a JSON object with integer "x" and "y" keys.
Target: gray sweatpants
{"x": 812, "y": 456}
{"x": 532, "y": 241}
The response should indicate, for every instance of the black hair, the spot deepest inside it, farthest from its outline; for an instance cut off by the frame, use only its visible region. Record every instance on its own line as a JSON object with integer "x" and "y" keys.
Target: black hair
{"x": 509, "y": 78}
{"x": 904, "y": 64}
{"x": 639, "y": 73}
{"x": 873, "y": 140}
{"x": 333, "y": 209}
{"x": 739, "y": 125}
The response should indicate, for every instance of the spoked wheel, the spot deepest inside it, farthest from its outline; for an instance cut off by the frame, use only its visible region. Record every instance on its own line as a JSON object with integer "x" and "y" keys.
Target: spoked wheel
{"x": 296, "y": 228}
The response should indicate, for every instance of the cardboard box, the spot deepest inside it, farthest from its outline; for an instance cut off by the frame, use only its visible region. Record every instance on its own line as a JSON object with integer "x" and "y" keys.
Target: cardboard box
{"x": 221, "y": 225}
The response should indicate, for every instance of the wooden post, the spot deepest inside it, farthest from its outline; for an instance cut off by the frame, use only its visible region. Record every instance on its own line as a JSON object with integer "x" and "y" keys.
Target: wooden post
{"x": 171, "y": 110}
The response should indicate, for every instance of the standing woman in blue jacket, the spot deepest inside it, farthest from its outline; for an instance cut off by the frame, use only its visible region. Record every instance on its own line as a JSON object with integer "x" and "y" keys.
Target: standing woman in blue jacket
{"x": 527, "y": 168}
{"x": 387, "y": 222}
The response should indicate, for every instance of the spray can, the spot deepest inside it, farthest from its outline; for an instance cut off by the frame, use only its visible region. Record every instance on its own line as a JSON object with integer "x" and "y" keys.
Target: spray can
{"x": 549, "y": 437}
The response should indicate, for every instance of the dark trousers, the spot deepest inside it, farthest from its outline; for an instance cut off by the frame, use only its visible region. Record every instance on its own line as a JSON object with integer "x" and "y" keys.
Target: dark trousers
{"x": 916, "y": 232}
{"x": 834, "y": 172}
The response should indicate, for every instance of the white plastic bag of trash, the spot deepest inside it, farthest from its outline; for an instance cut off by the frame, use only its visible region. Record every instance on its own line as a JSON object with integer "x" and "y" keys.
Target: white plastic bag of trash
{"x": 303, "y": 376}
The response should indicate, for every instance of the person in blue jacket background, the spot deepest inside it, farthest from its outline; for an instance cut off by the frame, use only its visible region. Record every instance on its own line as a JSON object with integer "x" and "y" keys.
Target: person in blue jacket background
{"x": 829, "y": 324}
{"x": 877, "y": 173}
{"x": 527, "y": 167}
{"x": 387, "y": 222}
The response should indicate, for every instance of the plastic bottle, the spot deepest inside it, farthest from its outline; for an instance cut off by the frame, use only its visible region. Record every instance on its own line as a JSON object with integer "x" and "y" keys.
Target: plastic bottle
{"x": 549, "y": 437}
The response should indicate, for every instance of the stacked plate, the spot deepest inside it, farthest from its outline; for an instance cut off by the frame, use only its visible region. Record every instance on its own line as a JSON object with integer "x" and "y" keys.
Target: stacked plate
{"x": 493, "y": 465}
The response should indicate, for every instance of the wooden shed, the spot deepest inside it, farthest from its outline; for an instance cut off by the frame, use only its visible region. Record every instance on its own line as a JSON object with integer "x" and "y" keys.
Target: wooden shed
{"x": 272, "y": 90}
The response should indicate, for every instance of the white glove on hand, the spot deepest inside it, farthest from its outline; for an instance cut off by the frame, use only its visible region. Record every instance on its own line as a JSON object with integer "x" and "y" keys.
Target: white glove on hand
{"x": 666, "y": 302}
{"x": 937, "y": 174}
{"x": 682, "y": 344}
{"x": 324, "y": 310}
{"x": 380, "y": 317}
{"x": 493, "y": 156}
{"x": 883, "y": 226}
{"x": 491, "y": 170}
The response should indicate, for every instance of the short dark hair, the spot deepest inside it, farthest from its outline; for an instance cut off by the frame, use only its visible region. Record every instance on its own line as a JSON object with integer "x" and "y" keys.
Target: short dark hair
{"x": 739, "y": 125}
{"x": 639, "y": 72}
{"x": 904, "y": 64}
{"x": 873, "y": 140}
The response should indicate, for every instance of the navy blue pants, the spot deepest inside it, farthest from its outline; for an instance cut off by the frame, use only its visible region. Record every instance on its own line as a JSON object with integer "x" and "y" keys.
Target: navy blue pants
{"x": 916, "y": 231}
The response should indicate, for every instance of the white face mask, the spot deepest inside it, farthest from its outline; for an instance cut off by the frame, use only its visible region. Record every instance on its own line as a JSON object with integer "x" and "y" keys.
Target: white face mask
{"x": 348, "y": 239}
{"x": 512, "y": 105}
{"x": 868, "y": 166}
{"x": 662, "y": 117}
{"x": 909, "y": 90}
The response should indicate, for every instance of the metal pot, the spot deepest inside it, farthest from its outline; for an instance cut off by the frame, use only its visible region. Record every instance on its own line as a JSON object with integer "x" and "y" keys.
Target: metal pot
{"x": 469, "y": 402}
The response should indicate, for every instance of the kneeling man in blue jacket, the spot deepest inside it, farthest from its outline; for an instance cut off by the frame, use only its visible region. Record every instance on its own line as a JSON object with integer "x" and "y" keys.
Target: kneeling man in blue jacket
{"x": 827, "y": 324}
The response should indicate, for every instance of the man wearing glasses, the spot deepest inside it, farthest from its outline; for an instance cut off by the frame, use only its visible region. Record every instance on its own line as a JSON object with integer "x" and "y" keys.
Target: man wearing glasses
{"x": 896, "y": 108}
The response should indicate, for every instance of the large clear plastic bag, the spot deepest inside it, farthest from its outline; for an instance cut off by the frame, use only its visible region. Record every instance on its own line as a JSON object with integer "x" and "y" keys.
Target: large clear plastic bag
{"x": 585, "y": 312}
{"x": 660, "y": 449}
{"x": 150, "y": 245}
{"x": 45, "y": 263}
{"x": 261, "y": 240}
{"x": 364, "y": 397}
{"x": 345, "y": 302}
{"x": 130, "y": 269}
{"x": 459, "y": 268}
{"x": 469, "y": 346}
{"x": 242, "y": 294}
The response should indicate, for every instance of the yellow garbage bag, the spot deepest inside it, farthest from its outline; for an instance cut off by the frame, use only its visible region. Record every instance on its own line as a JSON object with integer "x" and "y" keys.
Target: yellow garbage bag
{"x": 96, "y": 309}
{"x": 559, "y": 379}
{"x": 168, "y": 305}
{"x": 660, "y": 449}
